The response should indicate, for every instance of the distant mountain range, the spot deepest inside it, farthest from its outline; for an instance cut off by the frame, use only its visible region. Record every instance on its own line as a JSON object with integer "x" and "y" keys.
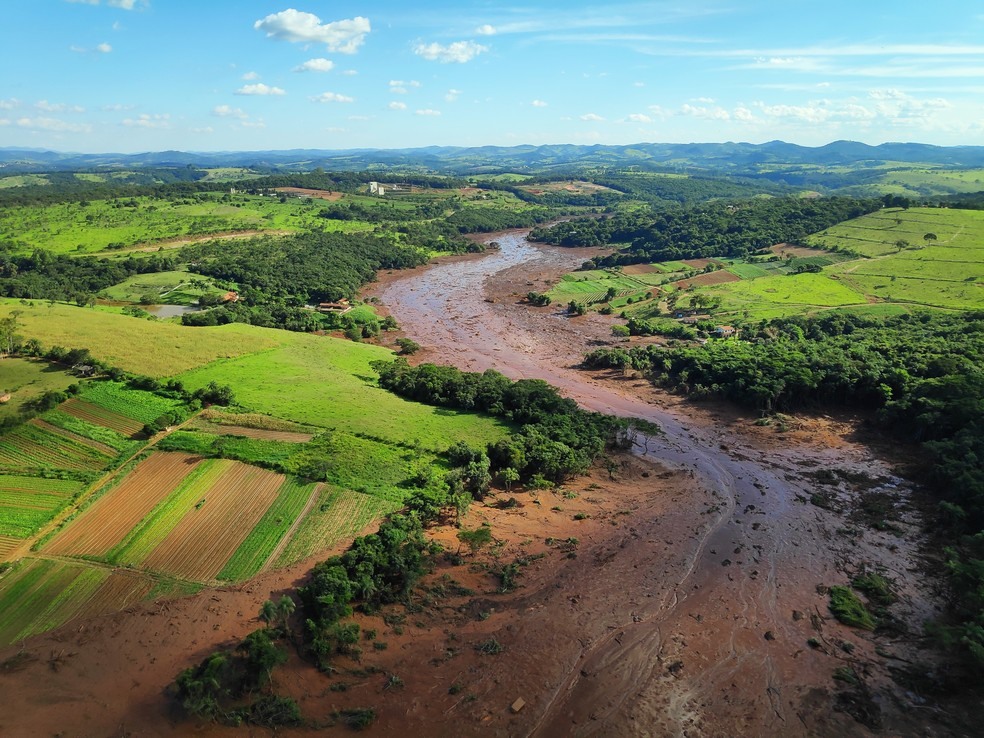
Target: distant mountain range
{"x": 733, "y": 158}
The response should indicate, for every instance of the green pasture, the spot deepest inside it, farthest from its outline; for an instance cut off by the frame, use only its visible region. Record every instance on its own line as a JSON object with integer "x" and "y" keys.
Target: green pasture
{"x": 781, "y": 295}
{"x": 164, "y": 288}
{"x": 136, "y": 404}
{"x": 23, "y": 180}
{"x": 877, "y": 234}
{"x": 331, "y": 385}
{"x": 26, "y": 380}
{"x": 154, "y": 348}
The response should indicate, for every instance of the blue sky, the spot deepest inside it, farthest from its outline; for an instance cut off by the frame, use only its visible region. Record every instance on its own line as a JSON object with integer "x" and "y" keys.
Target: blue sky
{"x": 213, "y": 75}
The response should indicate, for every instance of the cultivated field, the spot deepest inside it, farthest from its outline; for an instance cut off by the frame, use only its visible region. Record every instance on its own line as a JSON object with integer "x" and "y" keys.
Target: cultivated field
{"x": 165, "y": 288}
{"x": 26, "y": 503}
{"x": 105, "y": 523}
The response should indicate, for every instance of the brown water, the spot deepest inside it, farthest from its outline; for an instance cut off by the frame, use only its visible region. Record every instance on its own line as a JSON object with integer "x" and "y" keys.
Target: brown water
{"x": 737, "y": 570}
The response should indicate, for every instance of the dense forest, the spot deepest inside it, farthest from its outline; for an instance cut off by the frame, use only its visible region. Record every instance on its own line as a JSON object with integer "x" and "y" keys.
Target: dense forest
{"x": 713, "y": 229}
{"x": 922, "y": 375}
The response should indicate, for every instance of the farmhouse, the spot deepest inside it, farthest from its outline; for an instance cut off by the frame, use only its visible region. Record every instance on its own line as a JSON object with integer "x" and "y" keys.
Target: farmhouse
{"x": 342, "y": 306}
{"x": 724, "y": 331}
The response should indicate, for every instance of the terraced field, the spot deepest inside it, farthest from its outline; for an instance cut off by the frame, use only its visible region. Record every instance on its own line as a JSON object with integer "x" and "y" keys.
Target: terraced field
{"x": 26, "y": 503}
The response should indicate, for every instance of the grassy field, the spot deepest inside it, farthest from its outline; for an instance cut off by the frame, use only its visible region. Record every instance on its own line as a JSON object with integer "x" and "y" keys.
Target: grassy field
{"x": 75, "y": 228}
{"x": 332, "y": 386}
{"x": 164, "y": 288}
{"x": 26, "y": 379}
{"x": 876, "y": 234}
{"x": 157, "y": 349}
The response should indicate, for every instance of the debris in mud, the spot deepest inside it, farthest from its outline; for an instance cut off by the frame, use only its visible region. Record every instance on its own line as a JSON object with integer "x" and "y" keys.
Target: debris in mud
{"x": 518, "y": 705}
{"x": 675, "y": 668}
{"x": 859, "y": 705}
{"x": 769, "y": 635}
{"x": 798, "y": 615}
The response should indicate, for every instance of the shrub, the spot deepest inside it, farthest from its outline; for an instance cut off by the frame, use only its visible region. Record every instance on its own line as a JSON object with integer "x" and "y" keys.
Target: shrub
{"x": 848, "y": 609}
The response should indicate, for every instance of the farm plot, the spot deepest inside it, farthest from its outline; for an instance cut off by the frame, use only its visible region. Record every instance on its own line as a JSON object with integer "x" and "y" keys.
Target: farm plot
{"x": 106, "y": 437}
{"x": 250, "y": 558}
{"x": 338, "y": 515}
{"x": 7, "y": 546}
{"x": 257, "y": 433}
{"x": 722, "y": 276}
{"x": 108, "y": 521}
{"x": 213, "y": 528}
{"x": 39, "y": 595}
{"x": 73, "y": 437}
{"x": 29, "y": 446}
{"x": 26, "y": 503}
{"x": 100, "y": 416}
{"x": 139, "y": 406}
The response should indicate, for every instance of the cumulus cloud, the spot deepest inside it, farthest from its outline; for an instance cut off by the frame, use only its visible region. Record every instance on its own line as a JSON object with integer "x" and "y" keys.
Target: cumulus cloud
{"x": 452, "y": 95}
{"x": 260, "y": 89}
{"x": 328, "y": 97}
{"x": 459, "y": 51}
{"x": 640, "y": 118}
{"x": 428, "y": 111}
{"x": 343, "y": 36}
{"x": 9, "y": 104}
{"x": 485, "y": 30}
{"x": 700, "y": 111}
{"x": 350, "y": 72}
{"x": 396, "y": 105}
{"x": 249, "y": 76}
{"x": 538, "y": 104}
{"x": 53, "y": 125}
{"x": 227, "y": 111}
{"x": 145, "y": 120}
{"x": 104, "y": 48}
{"x": 48, "y": 107}
{"x": 253, "y": 124}
{"x": 743, "y": 113}
{"x": 316, "y": 65}
{"x": 592, "y": 117}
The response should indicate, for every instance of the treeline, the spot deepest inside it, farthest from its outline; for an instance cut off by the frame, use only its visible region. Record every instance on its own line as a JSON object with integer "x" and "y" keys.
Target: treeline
{"x": 715, "y": 229}
{"x": 302, "y": 269}
{"x": 47, "y": 276}
{"x": 923, "y": 376}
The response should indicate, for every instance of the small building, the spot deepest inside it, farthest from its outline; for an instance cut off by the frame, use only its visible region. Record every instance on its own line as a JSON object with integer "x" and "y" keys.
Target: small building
{"x": 685, "y": 312}
{"x": 342, "y": 306}
{"x": 724, "y": 331}
{"x": 376, "y": 189}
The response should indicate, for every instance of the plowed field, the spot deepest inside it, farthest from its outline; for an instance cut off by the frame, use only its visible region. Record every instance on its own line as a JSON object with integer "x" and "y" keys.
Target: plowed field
{"x": 260, "y": 433}
{"x": 702, "y": 280}
{"x": 116, "y": 513}
{"x": 101, "y": 416}
{"x": 206, "y": 538}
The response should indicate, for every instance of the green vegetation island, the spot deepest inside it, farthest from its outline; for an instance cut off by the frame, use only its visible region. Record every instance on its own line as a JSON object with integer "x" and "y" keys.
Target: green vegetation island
{"x": 501, "y": 438}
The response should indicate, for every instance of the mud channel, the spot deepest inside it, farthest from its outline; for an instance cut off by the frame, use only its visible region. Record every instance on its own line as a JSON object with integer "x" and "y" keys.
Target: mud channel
{"x": 703, "y": 619}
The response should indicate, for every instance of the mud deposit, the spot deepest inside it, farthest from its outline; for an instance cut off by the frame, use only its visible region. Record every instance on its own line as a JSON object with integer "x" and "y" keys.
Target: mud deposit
{"x": 679, "y": 591}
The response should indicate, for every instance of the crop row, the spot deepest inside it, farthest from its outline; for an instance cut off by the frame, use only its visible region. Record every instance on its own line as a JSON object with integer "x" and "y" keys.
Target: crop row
{"x": 139, "y": 405}
{"x": 100, "y": 416}
{"x": 261, "y": 542}
{"x": 63, "y": 487}
{"x": 99, "y": 433}
{"x": 30, "y": 446}
{"x": 154, "y": 528}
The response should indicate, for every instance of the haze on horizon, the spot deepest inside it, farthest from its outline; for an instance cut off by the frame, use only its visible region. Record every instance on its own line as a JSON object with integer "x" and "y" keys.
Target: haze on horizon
{"x": 139, "y": 75}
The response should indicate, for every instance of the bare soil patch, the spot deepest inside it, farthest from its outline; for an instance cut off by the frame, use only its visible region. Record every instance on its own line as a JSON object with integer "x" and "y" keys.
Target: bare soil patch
{"x": 792, "y": 250}
{"x": 318, "y": 194}
{"x": 702, "y": 280}
{"x": 631, "y": 269}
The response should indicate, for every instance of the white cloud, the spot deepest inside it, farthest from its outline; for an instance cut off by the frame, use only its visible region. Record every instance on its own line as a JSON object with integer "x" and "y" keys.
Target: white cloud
{"x": 538, "y": 104}
{"x": 316, "y": 65}
{"x": 336, "y": 129}
{"x": 327, "y": 97}
{"x": 250, "y": 76}
{"x": 122, "y": 4}
{"x": 343, "y": 36}
{"x": 205, "y": 130}
{"x": 253, "y": 124}
{"x": 350, "y": 72}
{"x": 117, "y": 107}
{"x": 640, "y": 118}
{"x": 395, "y": 105}
{"x": 700, "y": 111}
{"x": 592, "y": 117}
{"x": 144, "y": 120}
{"x": 744, "y": 114}
{"x": 401, "y": 83}
{"x": 48, "y": 107}
{"x": 398, "y": 90}
{"x": 260, "y": 89}
{"x": 459, "y": 51}
{"x": 10, "y": 103}
{"x": 54, "y": 125}
{"x": 452, "y": 95}
{"x": 428, "y": 111}
{"x": 704, "y": 100}
{"x": 104, "y": 48}
{"x": 638, "y": 84}
{"x": 227, "y": 111}
{"x": 485, "y": 30}
{"x": 4, "y": 121}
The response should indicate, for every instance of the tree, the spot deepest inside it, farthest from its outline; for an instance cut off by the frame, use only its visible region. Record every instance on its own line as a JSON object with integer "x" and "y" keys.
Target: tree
{"x": 929, "y": 237}
{"x": 508, "y": 476}
{"x": 407, "y": 346}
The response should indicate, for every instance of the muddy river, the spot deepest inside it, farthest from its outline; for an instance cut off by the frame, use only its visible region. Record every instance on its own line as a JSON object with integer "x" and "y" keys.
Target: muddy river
{"x": 710, "y": 635}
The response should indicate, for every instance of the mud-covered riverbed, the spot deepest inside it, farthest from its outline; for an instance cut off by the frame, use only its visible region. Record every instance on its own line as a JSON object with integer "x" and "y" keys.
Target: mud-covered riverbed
{"x": 719, "y": 624}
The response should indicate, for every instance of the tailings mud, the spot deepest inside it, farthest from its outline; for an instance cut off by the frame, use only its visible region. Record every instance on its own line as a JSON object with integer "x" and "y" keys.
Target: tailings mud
{"x": 713, "y": 621}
